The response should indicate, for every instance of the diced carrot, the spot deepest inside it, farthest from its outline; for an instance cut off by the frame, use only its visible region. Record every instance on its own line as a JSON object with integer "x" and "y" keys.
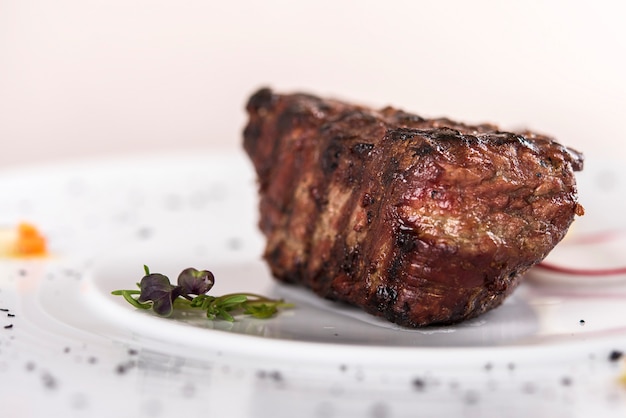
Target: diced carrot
{"x": 29, "y": 241}
{"x": 27, "y": 230}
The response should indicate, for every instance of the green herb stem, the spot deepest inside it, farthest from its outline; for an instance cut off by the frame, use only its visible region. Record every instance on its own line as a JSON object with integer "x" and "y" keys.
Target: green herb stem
{"x": 156, "y": 292}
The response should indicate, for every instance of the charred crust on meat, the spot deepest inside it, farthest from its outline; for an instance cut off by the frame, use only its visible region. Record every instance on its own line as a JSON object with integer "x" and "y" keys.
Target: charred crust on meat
{"x": 367, "y": 200}
{"x": 422, "y": 150}
{"x": 350, "y": 261}
{"x": 385, "y": 296}
{"x": 290, "y": 118}
{"x": 406, "y": 239}
{"x": 331, "y": 156}
{"x": 403, "y": 117}
{"x": 394, "y": 271}
{"x": 362, "y": 149}
{"x": 390, "y": 172}
{"x": 402, "y": 134}
{"x": 263, "y": 98}
{"x": 445, "y": 134}
{"x": 419, "y": 221}
{"x": 252, "y": 132}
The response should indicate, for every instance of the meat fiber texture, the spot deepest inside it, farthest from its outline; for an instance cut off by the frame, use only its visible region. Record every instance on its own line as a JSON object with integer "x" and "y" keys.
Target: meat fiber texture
{"x": 420, "y": 221}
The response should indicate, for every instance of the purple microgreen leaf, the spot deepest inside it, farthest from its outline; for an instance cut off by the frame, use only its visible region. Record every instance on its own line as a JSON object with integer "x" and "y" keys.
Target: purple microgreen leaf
{"x": 158, "y": 289}
{"x": 156, "y": 292}
{"x": 195, "y": 282}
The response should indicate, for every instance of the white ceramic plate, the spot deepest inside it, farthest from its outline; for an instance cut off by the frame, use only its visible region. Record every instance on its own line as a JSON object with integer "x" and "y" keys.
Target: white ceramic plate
{"x": 105, "y": 220}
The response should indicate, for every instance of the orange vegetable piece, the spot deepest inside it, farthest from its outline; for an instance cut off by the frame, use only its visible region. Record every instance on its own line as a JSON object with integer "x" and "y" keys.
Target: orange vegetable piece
{"x": 29, "y": 241}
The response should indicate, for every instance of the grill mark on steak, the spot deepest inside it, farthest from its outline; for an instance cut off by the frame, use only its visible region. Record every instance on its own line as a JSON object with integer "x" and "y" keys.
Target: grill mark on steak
{"x": 420, "y": 221}
{"x": 337, "y": 277}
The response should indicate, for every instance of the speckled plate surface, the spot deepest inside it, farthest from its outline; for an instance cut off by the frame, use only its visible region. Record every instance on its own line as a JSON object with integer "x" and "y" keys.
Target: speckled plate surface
{"x": 551, "y": 349}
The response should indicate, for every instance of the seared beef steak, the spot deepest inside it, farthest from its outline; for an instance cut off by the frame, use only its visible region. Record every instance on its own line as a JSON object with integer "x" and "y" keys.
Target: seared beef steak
{"x": 420, "y": 221}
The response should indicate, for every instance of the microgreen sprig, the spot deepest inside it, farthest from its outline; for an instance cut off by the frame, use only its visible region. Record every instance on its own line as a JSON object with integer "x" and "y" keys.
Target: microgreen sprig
{"x": 190, "y": 293}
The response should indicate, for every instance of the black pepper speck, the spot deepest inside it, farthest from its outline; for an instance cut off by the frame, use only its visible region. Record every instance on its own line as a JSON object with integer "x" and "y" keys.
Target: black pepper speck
{"x": 49, "y": 381}
{"x": 8, "y": 326}
{"x": 615, "y": 355}
{"x": 419, "y": 384}
{"x": 123, "y": 368}
{"x": 566, "y": 381}
{"x": 274, "y": 375}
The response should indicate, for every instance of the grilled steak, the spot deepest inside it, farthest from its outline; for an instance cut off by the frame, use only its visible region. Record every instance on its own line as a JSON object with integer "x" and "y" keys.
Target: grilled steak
{"x": 421, "y": 221}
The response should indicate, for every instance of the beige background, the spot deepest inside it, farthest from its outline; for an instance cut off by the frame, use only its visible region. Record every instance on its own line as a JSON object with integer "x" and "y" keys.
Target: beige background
{"x": 99, "y": 78}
